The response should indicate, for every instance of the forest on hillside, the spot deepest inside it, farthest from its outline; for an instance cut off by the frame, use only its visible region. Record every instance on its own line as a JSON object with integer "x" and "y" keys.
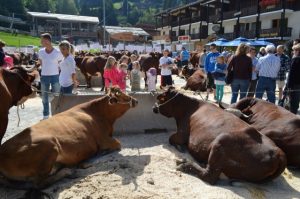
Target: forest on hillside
{"x": 118, "y": 12}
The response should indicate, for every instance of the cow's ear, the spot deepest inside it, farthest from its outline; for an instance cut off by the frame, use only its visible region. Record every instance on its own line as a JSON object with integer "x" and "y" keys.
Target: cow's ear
{"x": 112, "y": 101}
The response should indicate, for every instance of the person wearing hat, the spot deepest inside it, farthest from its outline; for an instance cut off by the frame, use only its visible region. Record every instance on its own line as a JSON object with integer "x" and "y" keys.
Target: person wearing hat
{"x": 166, "y": 63}
{"x": 2, "y": 54}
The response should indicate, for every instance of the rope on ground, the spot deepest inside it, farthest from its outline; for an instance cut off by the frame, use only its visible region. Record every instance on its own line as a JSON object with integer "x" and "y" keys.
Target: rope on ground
{"x": 22, "y": 107}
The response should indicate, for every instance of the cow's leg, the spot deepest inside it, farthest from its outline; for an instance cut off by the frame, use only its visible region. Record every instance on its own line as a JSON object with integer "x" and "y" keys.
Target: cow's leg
{"x": 63, "y": 173}
{"x": 103, "y": 82}
{"x": 88, "y": 80}
{"x": 3, "y": 126}
{"x": 179, "y": 141}
{"x": 110, "y": 144}
{"x": 211, "y": 173}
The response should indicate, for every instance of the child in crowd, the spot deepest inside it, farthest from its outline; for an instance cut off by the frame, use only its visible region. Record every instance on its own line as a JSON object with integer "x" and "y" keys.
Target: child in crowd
{"x": 151, "y": 79}
{"x": 67, "y": 76}
{"x": 219, "y": 76}
{"x": 111, "y": 73}
{"x": 133, "y": 58}
{"x": 136, "y": 76}
{"x": 123, "y": 74}
{"x": 124, "y": 60}
{"x": 166, "y": 64}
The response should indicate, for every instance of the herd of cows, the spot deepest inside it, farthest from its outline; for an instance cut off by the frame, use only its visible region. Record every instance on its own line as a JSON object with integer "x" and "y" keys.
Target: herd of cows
{"x": 256, "y": 148}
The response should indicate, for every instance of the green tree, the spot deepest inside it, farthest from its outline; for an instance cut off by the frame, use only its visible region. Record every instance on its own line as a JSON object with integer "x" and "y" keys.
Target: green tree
{"x": 67, "y": 7}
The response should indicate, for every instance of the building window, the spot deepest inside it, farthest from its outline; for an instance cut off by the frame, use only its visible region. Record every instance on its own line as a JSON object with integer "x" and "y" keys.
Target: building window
{"x": 276, "y": 23}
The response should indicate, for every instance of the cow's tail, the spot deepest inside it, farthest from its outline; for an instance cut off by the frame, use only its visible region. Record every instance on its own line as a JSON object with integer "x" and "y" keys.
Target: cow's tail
{"x": 221, "y": 106}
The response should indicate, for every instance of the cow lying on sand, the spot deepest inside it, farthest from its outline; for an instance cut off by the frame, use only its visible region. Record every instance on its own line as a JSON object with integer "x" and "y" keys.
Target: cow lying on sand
{"x": 197, "y": 81}
{"x": 15, "y": 86}
{"x": 227, "y": 144}
{"x": 280, "y": 125}
{"x": 34, "y": 157}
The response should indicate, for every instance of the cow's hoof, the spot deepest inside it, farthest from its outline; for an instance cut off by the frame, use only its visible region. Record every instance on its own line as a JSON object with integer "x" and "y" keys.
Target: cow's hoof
{"x": 180, "y": 148}
{"x": 187, "y": 167}
{"x": 181, "y": 161}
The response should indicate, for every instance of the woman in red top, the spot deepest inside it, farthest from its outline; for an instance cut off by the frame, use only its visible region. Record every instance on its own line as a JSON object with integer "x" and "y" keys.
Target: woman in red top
{"x": 111, "y": 73}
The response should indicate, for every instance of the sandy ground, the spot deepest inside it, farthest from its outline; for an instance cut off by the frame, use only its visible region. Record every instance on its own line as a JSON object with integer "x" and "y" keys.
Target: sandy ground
{"x": 144, "y": 168}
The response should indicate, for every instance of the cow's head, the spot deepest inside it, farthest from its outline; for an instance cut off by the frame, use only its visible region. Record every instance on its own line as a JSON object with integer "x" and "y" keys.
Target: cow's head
{"x": 120, "y": 100}
{"x": 19, "y": 82}
{"x": 166, "y": 102}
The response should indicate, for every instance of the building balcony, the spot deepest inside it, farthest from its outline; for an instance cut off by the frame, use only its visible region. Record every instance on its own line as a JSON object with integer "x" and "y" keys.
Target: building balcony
{"x": 184, "y": 21}
{"x": 214, "y": 18}
{"x": 275, "y": 32}
{"x": 249, "y": 11}
{"x": 264, "y": 33}
{"x": 202, "y": 35}
{"x": 196, "y": 19}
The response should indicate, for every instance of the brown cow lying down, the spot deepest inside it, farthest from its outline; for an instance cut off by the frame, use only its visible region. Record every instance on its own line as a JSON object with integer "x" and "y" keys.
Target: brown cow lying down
{"x": 15, "y": 86}
{"x": 33, "y": 158}
{"x": 197, "y": 81}
{"x": 282, "y": 126}
{"x": 226, "y": 143}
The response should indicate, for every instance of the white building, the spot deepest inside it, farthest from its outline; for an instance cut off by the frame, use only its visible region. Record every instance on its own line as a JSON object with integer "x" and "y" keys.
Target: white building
{"x": 276, "y": 20}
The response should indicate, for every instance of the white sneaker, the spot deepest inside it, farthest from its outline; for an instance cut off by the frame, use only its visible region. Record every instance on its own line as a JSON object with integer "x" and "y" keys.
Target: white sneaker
{"x": 45, "y": 117}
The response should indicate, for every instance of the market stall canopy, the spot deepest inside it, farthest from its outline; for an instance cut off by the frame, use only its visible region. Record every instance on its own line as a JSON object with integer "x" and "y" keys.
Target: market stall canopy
{"x": 263, "y": 42}
{"x": 240, "y": 40}
{"x": 219, "y": 42}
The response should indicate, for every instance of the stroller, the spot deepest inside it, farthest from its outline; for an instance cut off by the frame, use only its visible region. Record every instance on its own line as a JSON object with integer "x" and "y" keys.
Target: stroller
{"x": 285, "y": 100}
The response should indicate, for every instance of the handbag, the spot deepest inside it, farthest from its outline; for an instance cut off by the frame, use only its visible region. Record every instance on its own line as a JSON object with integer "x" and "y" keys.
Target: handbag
{"x": 229, "y": 77}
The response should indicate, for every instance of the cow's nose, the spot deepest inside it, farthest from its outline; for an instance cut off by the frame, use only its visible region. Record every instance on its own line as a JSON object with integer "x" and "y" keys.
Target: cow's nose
{"x": 155, "y": 108}
{"x": 134, "y": 102}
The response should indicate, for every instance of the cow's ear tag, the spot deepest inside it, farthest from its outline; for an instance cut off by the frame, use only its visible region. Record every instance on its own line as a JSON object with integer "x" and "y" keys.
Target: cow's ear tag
{"x": 112, "y": 101}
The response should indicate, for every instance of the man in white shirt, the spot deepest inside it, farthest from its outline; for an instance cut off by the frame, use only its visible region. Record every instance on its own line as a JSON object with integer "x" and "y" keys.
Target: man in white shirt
{"x": 166, "y": 64}
{"x": 49, "y": 59}
{"x": 267, "y": 68}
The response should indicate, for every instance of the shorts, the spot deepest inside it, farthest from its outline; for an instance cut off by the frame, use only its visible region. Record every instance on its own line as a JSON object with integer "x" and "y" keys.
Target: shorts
{"x": 280, "y": 84}
{"x": 166, "y": 80}
{"x": 210, "y": 81}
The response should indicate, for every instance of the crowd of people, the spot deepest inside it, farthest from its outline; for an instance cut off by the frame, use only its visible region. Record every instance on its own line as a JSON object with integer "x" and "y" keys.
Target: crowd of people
{"x": 254, "y": 74}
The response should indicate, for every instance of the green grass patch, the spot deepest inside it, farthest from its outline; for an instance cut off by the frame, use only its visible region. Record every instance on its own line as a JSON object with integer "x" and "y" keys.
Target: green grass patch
{"x": 19, "y": 40}
{"x": 117, "y": 5}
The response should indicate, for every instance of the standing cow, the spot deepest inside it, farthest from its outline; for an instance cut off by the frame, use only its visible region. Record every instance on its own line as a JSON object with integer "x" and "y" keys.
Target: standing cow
{"x": 91, "y": 66}
{"x": 227, "y": 144}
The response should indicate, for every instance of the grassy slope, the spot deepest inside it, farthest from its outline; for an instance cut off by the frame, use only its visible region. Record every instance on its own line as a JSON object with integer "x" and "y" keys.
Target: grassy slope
{"x": 22, "y": 40}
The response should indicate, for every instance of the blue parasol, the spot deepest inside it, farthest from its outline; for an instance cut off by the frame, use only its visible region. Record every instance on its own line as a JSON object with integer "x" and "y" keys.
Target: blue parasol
{"x": 240, "y": 40}
{"x": 219, "y": 42}
{"x": 263, "y": 42}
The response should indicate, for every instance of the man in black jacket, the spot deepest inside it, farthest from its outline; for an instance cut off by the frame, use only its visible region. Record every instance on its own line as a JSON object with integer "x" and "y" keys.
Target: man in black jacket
{"x": 2, "y": 55}
{"x": 293, "y": 82}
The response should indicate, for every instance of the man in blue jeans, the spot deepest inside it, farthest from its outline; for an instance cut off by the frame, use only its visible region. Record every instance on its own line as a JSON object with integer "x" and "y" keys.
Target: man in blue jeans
{"x": 267, "y": 68}
{"x": 49, "y": 59}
